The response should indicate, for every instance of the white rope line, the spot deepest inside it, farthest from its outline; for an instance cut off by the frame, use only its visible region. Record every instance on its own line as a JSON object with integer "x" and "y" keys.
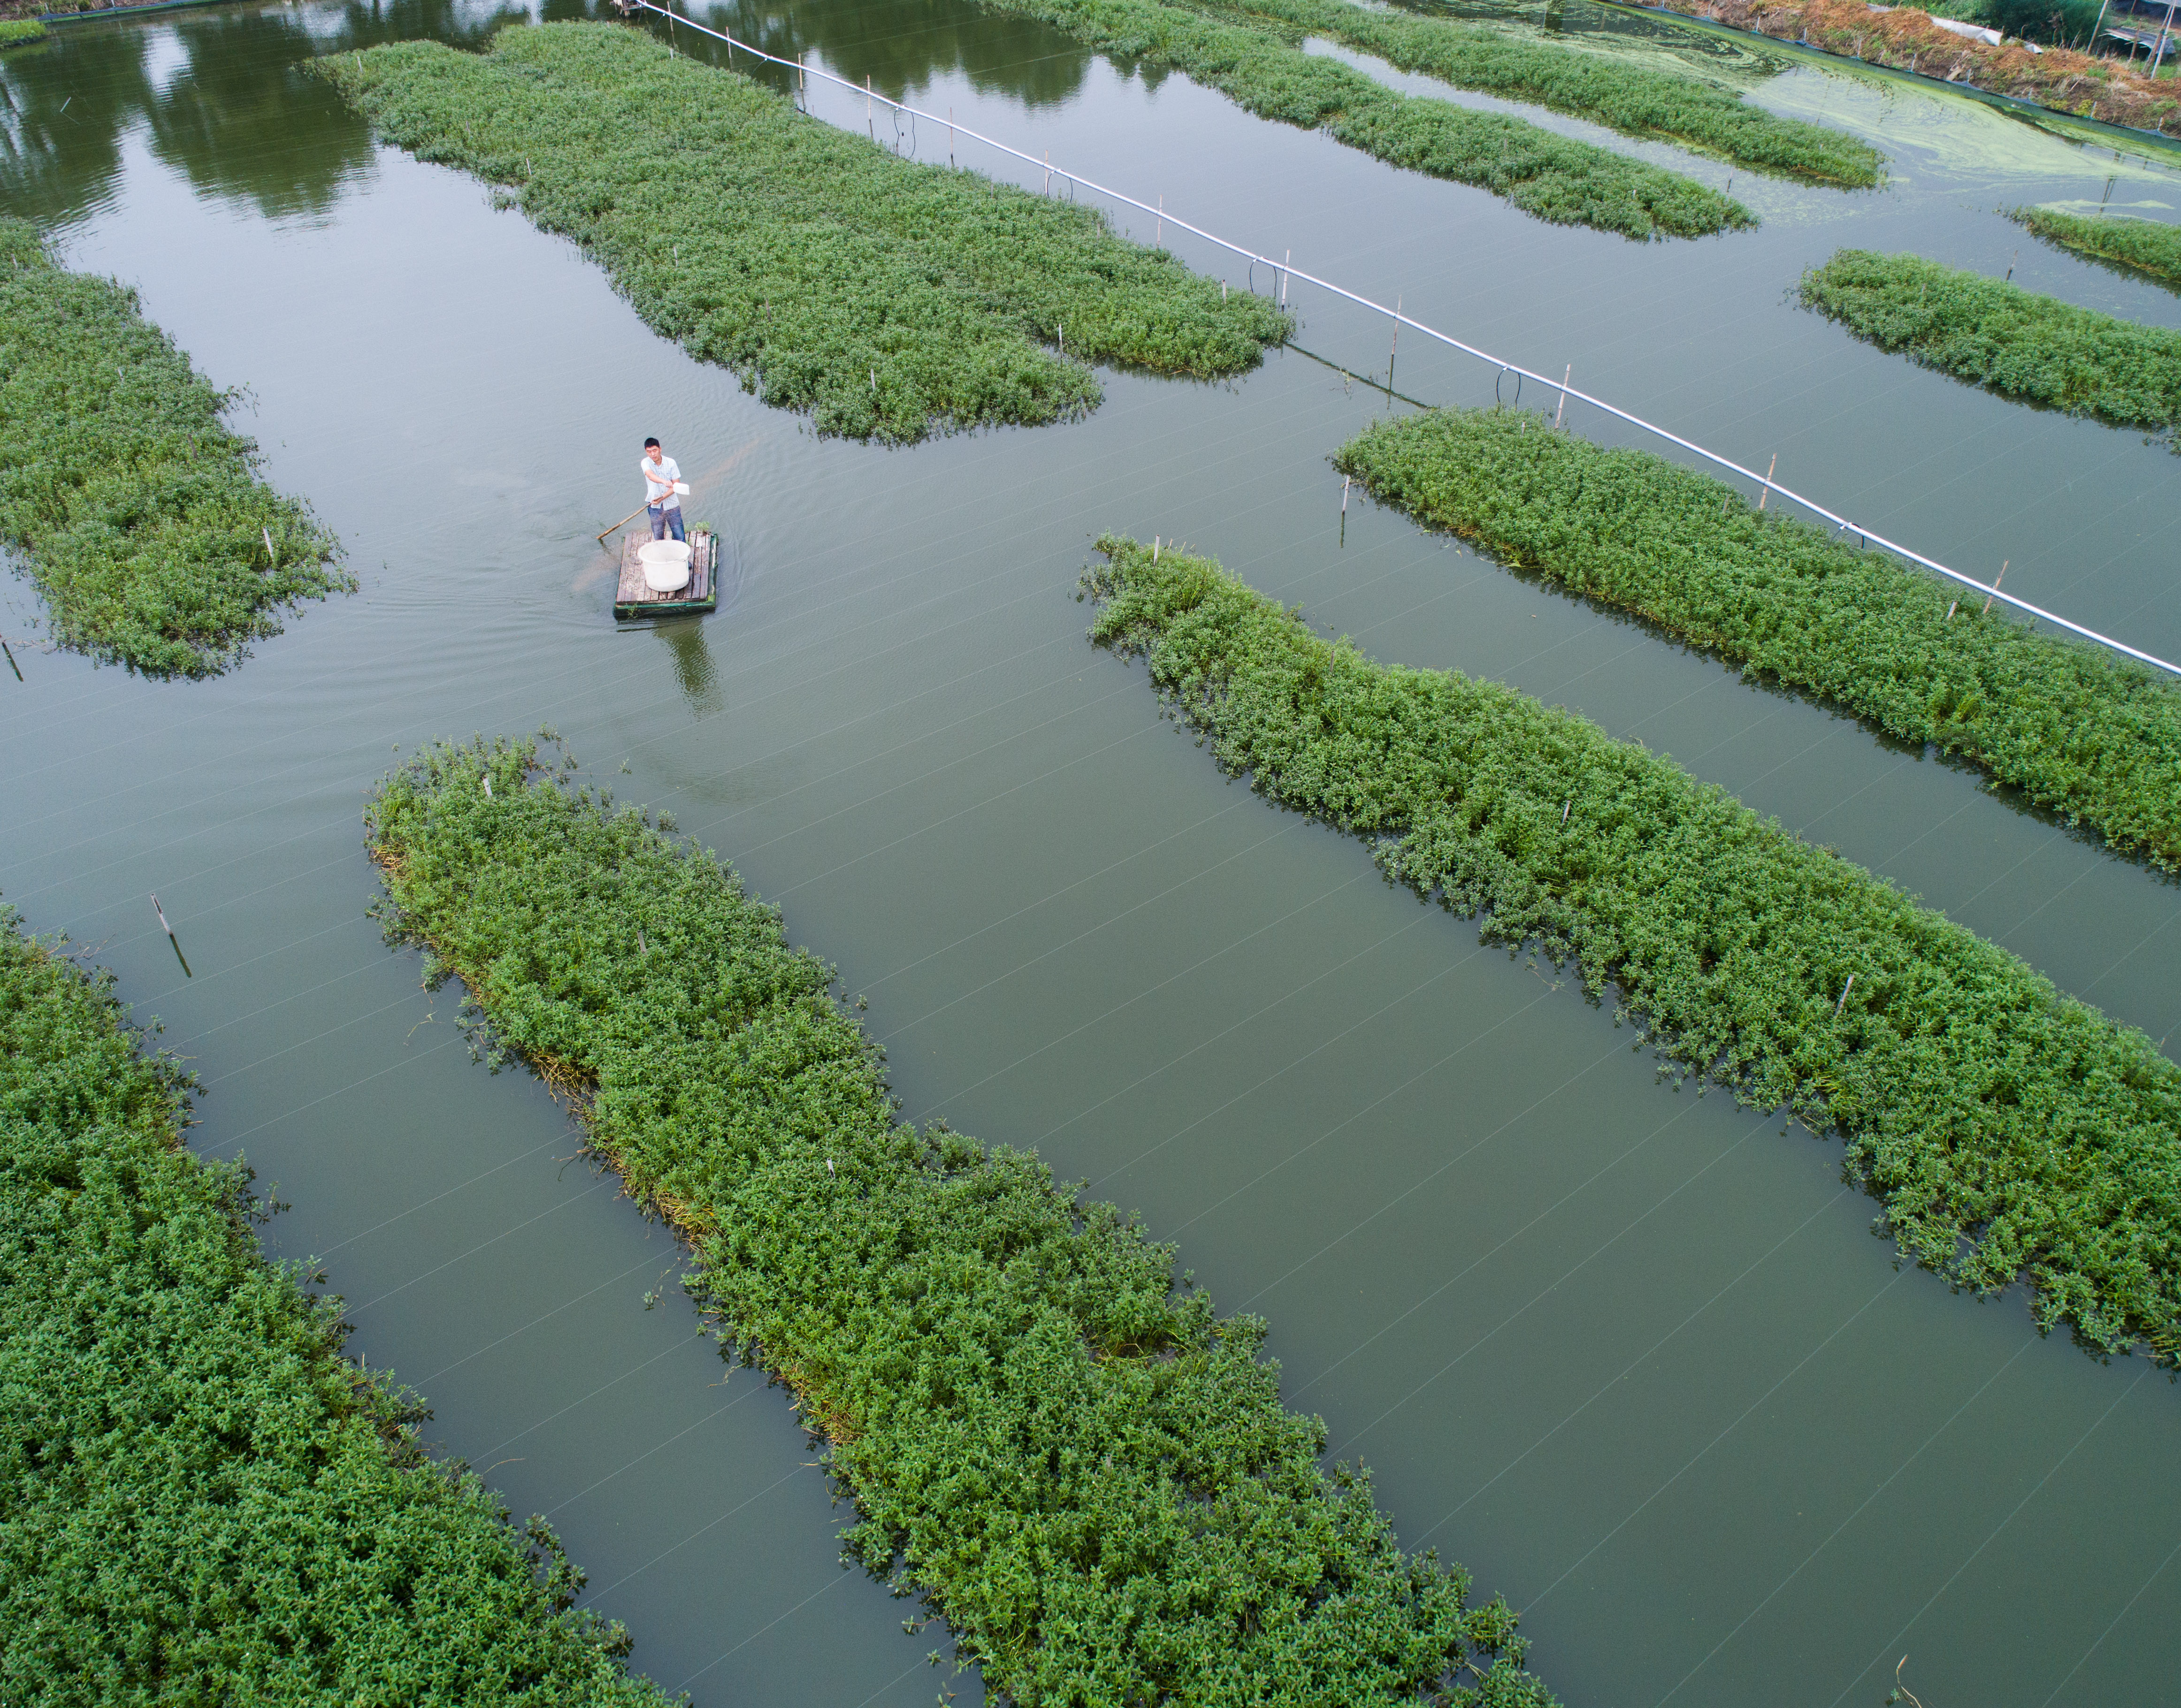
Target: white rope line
{"x": 1285, "y": 272}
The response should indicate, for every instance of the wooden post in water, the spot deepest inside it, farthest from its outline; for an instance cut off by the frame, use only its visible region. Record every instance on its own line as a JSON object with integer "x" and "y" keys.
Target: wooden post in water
{"x": 1995, "y": 581}
{"x": 1767, "y": 493}
{"x": 1562, "y": 409}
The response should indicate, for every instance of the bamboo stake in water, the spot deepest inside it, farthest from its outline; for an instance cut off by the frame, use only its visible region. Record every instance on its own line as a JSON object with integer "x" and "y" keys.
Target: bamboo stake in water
{"x": 1396, "y": 349}
{"x": 11, "y": 664}
{"x": 1767, "y": 493}
{"x": 1842, "y": 1003}
{"x": 1995, "y": 581}
{"x": 169, "y": 930}
{"x": 1562, "y": 409}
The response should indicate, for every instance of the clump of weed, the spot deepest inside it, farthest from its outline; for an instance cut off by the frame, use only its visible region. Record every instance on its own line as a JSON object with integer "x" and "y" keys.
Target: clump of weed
{"x": 2011, "y": 1132}
{"x": 205, "y": 1501}
{"x": 1654, "y": 103}
{"x": 140, "y": 516}
{"x": 2090, "y": 735}
{"x": 889, "y": 299}
{"x": 2148, "y": 247}
{"x": 1075, "y": 1460}
{"x": 1554, "y": 177}
{"x": 2010, "y": 341}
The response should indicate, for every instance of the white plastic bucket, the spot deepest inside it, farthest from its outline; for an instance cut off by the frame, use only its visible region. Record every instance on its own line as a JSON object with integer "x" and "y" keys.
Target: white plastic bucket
{"x": 665, "y": 565}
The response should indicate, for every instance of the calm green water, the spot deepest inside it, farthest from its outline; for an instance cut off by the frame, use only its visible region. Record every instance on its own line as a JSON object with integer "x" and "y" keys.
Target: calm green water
{"x": 1630, "y": 1354}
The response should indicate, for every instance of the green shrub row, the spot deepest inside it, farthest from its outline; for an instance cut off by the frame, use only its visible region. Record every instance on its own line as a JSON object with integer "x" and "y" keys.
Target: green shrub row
{"x": 2010, "y": 1131}
{"x": 201, "y": 1499}
{"x": 1640, "y": 100}
{"x": 139, "y": 516}
{"x": 2079, "y": 730}
{"x": 15, "y": 31}
{"x": 1554, "y": 177}
{"x": 1088, "y": 1474}
{"x": 2147, "y": 246}
{"x": 889, "y": 299}
{"x": 2006, "y": 339}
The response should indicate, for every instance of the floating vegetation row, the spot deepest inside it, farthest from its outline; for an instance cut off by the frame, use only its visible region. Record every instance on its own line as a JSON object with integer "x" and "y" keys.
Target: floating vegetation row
{"x": 2010, "y": 1131}
{"x": 1645, "y": 101}
{"x": 2011, "y": 341}
{"x": 1554, "y": 177}
{"x": 1074, "y": 1461}
{"x": 888, "y": 298}
{"x": 139, "y": 515}
{"x": 204, "y": 1501}
{"x": 2077, "y": 730}
{"x": 2150, "y": 247}
{"x": 15, "y": 31}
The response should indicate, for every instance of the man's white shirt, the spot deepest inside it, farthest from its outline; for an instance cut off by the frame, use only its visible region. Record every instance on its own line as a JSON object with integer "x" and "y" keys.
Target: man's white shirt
{"x": 659, "y": 478}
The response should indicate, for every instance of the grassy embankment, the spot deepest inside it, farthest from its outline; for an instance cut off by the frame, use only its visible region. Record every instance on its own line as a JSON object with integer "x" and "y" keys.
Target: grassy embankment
{"x": 888, "y": 298}
{"x": 139, "y": 515}
{"x": 1076, "y": 1463}
{"x": 2148, "y": 247}
{"x": 2078, "y": 730}
{"x": 202, "y": 1500}
{"x": 1654, "y": 104}
{"x": 2010, "y": 1131}
{"x": 2086, "y": 84}
{"x": 1995, "y": 334}
{"x": 1551, "y": 177}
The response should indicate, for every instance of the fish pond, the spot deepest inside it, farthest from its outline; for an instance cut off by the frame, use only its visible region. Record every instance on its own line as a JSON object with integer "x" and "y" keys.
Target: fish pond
{"x": 1630, "y": 1353}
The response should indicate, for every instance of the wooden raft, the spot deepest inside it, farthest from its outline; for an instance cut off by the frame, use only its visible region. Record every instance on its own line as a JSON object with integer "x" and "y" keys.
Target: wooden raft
{"x": 633, "y": 597}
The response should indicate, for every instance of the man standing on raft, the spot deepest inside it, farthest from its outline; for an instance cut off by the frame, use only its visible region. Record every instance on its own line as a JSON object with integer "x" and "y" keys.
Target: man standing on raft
{"x": 661, "y": 474}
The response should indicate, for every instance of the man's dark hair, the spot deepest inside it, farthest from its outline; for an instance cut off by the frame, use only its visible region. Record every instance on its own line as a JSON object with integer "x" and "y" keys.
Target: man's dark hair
{"x": 648, "y": 444}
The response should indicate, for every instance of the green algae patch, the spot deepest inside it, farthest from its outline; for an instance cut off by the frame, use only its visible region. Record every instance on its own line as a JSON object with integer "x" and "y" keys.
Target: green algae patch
{"x": 2010, "y": 341}
{"x": 1076, "y": 1462}
{"x": 2148, "y": 247}
{"x": 2088, "y": 736}
{"x": 2010, "y": 1131}
{"x": 888, "y": 299}
{"x": 1644, "y": 102}
{"x": 1553, "y": 177}
{"x": 138, "y": 514}
{"x": 202, "y": 1500}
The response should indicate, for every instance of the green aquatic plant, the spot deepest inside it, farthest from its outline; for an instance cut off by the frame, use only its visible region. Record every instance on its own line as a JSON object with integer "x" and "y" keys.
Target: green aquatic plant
{"x": 140, "y": 515}
{"x": 2079, "y": 731}
{"x": 1077, "y": 1462}
{"x": 15, "y": 31}
{"x": 1650, "y": 102}
{"x": 889, "y": 299}
{"x": 1554, "y": 177}
{"x": 2150, "y": 247}
{"x": 2011, "y": 341}
{"x": 2010, "y": 1131}
{"x": 202, "y": 1500}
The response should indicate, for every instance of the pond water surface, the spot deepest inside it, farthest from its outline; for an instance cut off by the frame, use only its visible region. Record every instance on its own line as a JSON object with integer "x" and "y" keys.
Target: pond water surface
{"x": 1630, "y": 1354}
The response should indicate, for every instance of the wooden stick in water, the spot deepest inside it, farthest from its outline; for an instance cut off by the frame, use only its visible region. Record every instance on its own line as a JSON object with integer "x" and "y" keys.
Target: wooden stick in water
{"x": 625, "y": 520}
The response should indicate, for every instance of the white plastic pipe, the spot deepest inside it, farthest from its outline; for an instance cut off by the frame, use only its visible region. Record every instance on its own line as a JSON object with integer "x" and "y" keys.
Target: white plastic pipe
{"x": 1401, "y": 320}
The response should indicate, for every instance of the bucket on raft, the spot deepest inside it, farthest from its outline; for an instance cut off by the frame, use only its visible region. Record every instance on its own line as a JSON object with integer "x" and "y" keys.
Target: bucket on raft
{"x": 665, "y": 565}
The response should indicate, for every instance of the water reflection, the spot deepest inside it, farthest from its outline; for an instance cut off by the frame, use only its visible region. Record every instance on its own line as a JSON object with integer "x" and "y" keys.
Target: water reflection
{"x": 698, "y": 677}
{"x": 65, "y": 109}
{"x": 245, "y": 118}
{"x": 225, "y": 96}
{"x": 901, "y": 45}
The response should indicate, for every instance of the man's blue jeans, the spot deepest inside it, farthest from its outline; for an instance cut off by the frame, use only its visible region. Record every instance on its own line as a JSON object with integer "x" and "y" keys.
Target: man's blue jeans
{"x": 663, "y": 519}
